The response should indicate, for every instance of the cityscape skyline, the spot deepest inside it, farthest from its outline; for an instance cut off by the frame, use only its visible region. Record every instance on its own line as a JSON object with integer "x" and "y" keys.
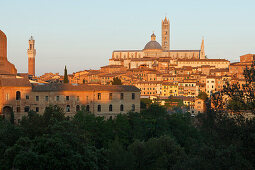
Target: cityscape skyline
{"x": 91, "y": 36}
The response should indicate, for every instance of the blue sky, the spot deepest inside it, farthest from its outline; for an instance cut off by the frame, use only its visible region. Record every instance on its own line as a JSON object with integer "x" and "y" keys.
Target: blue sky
{"x": 83, "y": 33}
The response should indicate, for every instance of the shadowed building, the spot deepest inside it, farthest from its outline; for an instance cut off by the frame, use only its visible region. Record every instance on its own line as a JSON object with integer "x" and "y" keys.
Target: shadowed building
{"x": 5, "y": 66}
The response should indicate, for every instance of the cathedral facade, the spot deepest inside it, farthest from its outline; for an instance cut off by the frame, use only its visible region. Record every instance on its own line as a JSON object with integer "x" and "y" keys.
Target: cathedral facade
{"x": 154, "y": 51}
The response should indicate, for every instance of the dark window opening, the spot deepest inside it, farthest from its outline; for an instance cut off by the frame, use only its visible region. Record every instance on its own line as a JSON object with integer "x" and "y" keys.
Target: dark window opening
{"x": 99, "y": 108}
{"x": 99, "y": 96}
{"x": 133, "y": 96}
{"x": 68, "y": 108}
{"x": 77, "y": 108}
{"x": 18, "y": 109}
{"x": 121, "y": 96}
{"x": 18, "y": 95}
{"x": 37, "y": 98}
{"x": 133, "y": 107}
{"x": 26, "y": 109}
{"x": 67, "y": 98}
{"x": 87, "y": 108}
{"x": 37, "y": 109}
{"x": 121, "y": 107}
{"x": 110, "y": 108}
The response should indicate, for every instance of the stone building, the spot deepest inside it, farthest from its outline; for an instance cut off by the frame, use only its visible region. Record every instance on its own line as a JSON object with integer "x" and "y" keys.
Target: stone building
{"x": 154, "y": 51}
{"x": 18, "y": 95}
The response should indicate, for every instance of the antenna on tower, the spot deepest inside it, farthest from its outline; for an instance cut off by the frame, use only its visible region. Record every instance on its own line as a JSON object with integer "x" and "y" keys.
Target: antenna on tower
{"x": 31, "y": 38}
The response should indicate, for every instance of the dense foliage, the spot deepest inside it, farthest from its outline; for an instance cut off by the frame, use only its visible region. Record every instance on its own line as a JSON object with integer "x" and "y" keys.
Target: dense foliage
{"x": 152, "y": 139}
{"x": 65, "y": 76}
{"x": 116, "y": 81}
{"x": 237, "y": 97}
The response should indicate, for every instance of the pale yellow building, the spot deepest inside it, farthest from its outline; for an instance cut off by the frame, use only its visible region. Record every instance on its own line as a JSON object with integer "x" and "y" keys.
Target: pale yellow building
{"x": 169, "y": 89}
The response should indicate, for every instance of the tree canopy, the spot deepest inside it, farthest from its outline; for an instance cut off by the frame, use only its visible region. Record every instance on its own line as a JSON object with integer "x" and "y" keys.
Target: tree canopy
{"x": 152, "y": 139}
{"x": 65, "y": 76}
{"x": 116, "y": 81}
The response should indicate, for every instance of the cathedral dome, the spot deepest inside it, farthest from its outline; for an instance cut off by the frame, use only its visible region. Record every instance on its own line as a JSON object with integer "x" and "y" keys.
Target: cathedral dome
{"x": 153, "y": 44}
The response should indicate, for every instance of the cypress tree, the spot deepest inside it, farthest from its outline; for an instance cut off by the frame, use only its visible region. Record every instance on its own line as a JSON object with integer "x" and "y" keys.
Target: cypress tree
{"x": 65, "y": 76}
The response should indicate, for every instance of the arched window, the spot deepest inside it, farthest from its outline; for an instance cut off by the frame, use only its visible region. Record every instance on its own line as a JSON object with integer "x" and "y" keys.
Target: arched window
{"x": 87, "y": 108}
{"x": 77, "y": 108}
{"x": 18, "y": 96}
{"x": 121, "y": 107}
{"x": 133, "y": 107}
{"x": 110, "y": 108}
{"x": 68, "y": 108}
{"x": 99, "y": 108}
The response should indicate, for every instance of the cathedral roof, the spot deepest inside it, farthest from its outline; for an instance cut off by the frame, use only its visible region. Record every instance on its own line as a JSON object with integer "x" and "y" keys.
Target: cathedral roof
{"x": 152, "y": 45}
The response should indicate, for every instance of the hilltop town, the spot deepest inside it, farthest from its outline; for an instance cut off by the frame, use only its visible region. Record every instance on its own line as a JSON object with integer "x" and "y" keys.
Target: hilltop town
{"x": 160, "y": 72}
{"x": 155, "y": 72}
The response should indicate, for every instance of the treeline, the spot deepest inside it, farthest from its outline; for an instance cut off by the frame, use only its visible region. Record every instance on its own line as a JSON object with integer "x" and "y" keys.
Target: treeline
{"x": 152, "y": 139}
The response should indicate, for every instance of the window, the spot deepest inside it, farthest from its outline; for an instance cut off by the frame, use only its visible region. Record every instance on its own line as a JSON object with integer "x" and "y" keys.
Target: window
{"x": 133, "y": 96}
{"x": 46, "y": 98}
{"x": 110, "y": 108}
{"x": 121, "y": 96}
{"x": 18, "y": 96}
{"x": 37, "y": 98}
{"x": 26, "y": 109}
{"x": 78, "y": 98}
{"x": 133, "y": 107}
{"x": 57, "y": 98}
{"x": 110, "y": 96}
{"x": 99, "y": 96}
{"x": 37, "y": 109}
{"x": 99, "y": 108}
{"x": 67, "y": 98}
{"x": 87, "y": 108}
{"x": 18, "y": 109}
{"x": 27, "y": 97}
{"x": 68, "y": 108}
{"x": 121, "y": 107}
{"x": 7, "y": 96}
{"x": 77, "y": 108}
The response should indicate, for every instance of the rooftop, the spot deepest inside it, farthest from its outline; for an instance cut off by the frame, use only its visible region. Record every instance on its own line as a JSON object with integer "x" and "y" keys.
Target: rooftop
{"x": 53, "y": 87}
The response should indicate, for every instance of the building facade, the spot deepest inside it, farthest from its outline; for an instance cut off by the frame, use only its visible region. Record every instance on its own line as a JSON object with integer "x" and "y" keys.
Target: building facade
{"x": 19, "y": 96}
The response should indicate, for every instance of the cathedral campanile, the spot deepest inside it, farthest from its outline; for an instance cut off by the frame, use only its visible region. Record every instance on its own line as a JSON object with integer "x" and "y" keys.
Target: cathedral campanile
{"x": 165, "y": 34}
{"x": 31, "y": 52}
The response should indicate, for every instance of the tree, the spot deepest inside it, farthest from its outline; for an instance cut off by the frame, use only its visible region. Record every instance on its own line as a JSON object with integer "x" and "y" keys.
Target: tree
{"x": 236, "y": 97}
{"x": 65, "y": 76}
{"x": 116, "y": 81}
{"x": 202, "y": 95}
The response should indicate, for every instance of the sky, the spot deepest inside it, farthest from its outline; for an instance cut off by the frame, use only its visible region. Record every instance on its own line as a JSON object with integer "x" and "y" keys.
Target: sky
{"x": 82, "y": 34}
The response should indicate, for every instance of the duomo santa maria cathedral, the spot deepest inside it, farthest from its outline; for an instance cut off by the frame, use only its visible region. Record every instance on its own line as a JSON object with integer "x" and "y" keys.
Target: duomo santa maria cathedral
{"x": 153, "y": 52}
